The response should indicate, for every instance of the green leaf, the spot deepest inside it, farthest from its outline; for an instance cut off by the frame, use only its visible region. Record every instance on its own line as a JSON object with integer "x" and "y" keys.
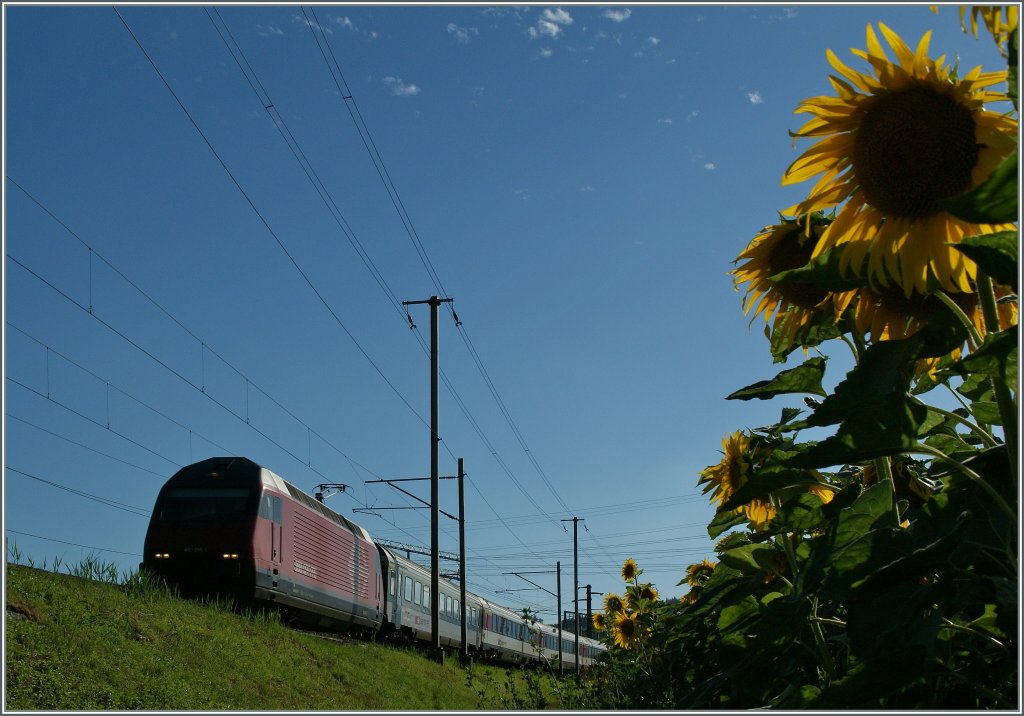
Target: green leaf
{"x": 805, "y": 378}
{"x": 884, "y": 426}
{"x": 996, "y": 357}
{"x": 725, "y": 520}
{"x": 995, "y": 254}
{"x": 822, "y": 327}
{"x": 986, "y": 413}
{"x": 765, "y": 482}
{"x": 749, "y": 559}
{"x": 823, "y": 272}
{"x": 798, "y": 514}
{"x": 994, "y": 201}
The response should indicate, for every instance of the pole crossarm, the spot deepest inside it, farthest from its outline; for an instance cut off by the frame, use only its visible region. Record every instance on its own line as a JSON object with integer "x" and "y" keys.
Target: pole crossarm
{"x": 415, "y": 548}
{"x": 406, "y": 492}
{"x": 520, "y": 575}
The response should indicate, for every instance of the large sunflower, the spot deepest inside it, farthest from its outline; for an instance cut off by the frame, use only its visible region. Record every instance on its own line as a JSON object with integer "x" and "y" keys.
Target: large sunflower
{"x": 629, "y": 570}
{"x": 894, "y": 145}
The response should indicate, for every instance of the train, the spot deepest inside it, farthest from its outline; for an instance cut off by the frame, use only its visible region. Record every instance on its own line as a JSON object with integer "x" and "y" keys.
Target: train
{"x": 227, "y": 526}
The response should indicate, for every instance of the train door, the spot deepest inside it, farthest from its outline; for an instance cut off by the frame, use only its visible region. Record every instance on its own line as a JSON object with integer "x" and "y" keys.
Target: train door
{"x": 273, "y": 508}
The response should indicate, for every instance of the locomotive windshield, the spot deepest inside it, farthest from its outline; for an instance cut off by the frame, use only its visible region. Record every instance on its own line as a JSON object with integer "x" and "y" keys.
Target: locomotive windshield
{"x": 206, "y": 504}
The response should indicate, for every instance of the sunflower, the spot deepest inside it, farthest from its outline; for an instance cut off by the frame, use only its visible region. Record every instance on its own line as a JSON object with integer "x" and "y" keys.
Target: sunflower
{"x": 613, "y": 603}
{"x": 893, "y": 147}
{"x": 629, "y": 570}
{"x": 725, "y": 478}
{"x": 627, "y": 629}
{"x": 780, "y": 247}
{"x": 728, "y": 476}
{"x": 649, "y": 593}
{"x": 599, "y": 621}
{"x": 697, "y": 574}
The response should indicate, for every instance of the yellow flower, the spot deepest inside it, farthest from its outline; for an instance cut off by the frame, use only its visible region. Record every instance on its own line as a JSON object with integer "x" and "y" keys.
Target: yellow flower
{"x": 893, "y": 146}
{"x": 629, "y": 570}
{"x": 627, "y": 629}
{"x": 599, "y": 621}
{"x": 649, "y": 593}
{"x": 778, "y": 248}
{"x": 613, "y": 603}
{"x": 728, "y": 476}
{"x": 825, "y": 493}
{"x": 691, "y": 596}
{"x": 697, "y": 574}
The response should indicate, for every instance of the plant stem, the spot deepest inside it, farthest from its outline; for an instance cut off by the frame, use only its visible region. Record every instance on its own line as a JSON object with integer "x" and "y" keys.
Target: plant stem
{"x": 884, "y": 470}
{"x": 985, "y": 436}
{"x": 1004, "y": 399}
{"x": 934, "y": 452}
{"x": 819, "y": 640}
{"x": 980, "y": 635}
{"x": 974, "y": 338}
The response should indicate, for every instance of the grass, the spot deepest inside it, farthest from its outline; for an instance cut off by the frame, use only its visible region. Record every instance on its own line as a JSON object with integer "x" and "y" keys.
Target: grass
{"x": 91, "y": 639}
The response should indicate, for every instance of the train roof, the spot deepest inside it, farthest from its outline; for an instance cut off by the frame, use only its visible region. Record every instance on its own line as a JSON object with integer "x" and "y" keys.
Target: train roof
{"x": 243, "y": 469}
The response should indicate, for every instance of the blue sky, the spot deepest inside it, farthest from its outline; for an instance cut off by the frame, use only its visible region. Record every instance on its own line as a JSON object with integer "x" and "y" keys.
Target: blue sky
{"x": 579, "y": 178}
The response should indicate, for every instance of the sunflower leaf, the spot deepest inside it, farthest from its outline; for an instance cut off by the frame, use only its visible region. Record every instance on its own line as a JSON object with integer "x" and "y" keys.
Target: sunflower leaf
{"x": 994, "y": 201}
{"x": 995, "y": 254}
{"x": 822, "y": 327}
{"x": 823, "y": 272}
{"x": 725, "y": 520}
{"x": 765, "y": 483}
{"x": 996, "y": 357}
{"x": 880, "y": 427}
{"x": 805, "y": 378}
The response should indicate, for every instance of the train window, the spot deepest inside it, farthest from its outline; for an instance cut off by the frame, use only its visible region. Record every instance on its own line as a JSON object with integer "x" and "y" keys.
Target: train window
{"x": 206, "y": 504}
{"x": 426, "y": 596}
{"x": 392, "y": 581}
{"x": 472, "y": 616}
{"x": 418, "y": 596}
{"x": 457, "y": 608}
{"x": 408, "y": 589}
{"x": 450, "y": 606}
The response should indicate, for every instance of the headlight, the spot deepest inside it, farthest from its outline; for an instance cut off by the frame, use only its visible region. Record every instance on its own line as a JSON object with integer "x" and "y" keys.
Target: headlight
{"x": 231, "y": 555}
{"x": 162, "y": 555}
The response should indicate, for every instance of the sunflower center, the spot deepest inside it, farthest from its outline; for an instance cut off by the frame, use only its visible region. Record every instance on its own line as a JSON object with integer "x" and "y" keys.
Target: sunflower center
{"x": 794, "y": 251}
{"x": 914, "y": 148}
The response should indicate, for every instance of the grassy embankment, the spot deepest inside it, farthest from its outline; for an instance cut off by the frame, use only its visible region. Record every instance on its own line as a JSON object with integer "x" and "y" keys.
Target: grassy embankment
{"x": 97, "y": 642}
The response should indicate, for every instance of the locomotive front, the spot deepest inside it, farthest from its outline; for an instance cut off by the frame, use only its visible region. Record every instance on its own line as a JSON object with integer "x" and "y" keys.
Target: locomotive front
{"x": 201, "y": 534}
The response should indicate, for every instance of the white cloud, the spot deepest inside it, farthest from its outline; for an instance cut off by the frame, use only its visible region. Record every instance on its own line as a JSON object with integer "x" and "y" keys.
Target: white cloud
{"x": 268, "y": 30}
{"x": 310, "y": 23}
{"x": 666, "y": 120}
{"x": 547, "y": 52}
{"x": 399, "y": 88}
{"x": 617, "y": 15}
{"x": 374, "y": 35}
{"x": 544, "y": 28}
{"x": 462, "y": 34}
{"x": 559, "y": 16}
{"x": 345, "y": 22}
{"x": 710, "y": 166}
{"x": 755, "y": 97}
{"x": 654, "y": 40}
